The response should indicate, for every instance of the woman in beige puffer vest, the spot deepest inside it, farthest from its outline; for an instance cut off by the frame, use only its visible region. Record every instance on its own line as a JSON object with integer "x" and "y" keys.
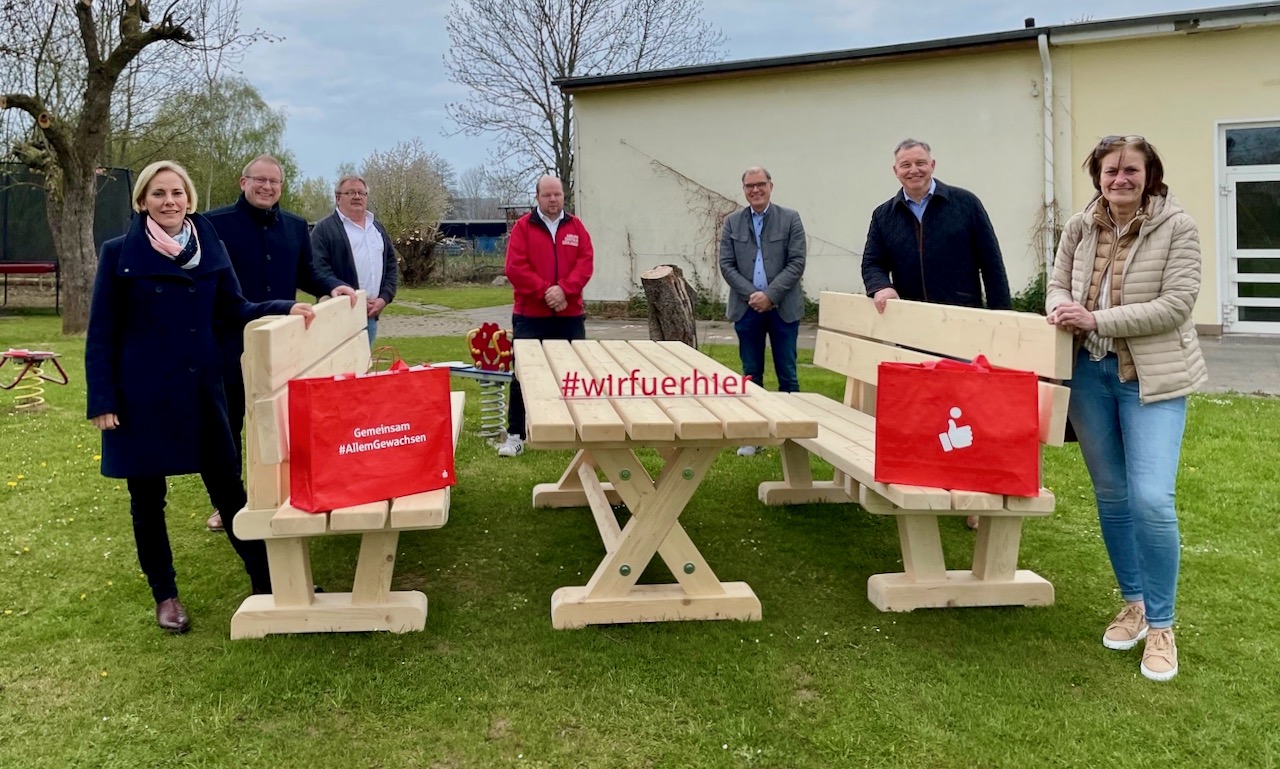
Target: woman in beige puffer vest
{"x": 1125, "y": 281}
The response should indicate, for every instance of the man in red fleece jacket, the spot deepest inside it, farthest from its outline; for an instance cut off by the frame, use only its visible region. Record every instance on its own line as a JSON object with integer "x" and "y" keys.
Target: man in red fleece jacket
{"x": 549, "y": 261}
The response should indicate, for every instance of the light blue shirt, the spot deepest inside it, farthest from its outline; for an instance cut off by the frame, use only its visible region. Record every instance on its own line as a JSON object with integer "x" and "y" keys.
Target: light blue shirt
{"x": 757, "y": 276}
{"x": 918, "y": 208}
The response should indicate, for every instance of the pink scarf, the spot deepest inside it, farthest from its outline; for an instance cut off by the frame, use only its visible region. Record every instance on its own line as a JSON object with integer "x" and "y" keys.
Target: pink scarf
{"x": 164, "y": 243}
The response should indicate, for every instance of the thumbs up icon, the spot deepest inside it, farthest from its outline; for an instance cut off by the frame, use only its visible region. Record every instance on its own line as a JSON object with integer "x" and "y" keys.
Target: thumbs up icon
{"x": 956, "y": 437}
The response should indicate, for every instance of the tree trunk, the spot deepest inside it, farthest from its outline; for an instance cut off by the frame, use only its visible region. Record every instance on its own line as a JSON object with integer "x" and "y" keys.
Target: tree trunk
{"x": 71, "y": 212}
{"x": 670, "y": 305}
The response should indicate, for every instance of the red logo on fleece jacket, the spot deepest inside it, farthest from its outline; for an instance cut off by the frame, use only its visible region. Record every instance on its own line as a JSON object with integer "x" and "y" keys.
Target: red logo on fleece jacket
{"x": 535, "y": 263}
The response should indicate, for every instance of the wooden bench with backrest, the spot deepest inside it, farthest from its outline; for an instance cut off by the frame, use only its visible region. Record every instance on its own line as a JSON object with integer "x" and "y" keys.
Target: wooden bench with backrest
{"x": 277, "y": 350}
{"x": 853, "y": 339}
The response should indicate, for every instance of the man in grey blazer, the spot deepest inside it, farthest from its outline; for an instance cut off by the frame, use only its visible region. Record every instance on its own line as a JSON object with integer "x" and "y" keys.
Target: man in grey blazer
{"x": 762, "y": 252}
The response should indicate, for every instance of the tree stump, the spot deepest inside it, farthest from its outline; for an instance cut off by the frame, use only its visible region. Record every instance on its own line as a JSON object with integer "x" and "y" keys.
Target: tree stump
{"x": 670, "y": 305}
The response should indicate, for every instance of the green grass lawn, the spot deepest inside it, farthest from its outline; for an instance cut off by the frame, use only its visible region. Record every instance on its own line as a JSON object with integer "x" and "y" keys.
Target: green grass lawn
{"x": 825, "y": 680}
{"x": 457, "y": 297}
{"x": 464, "y": 296}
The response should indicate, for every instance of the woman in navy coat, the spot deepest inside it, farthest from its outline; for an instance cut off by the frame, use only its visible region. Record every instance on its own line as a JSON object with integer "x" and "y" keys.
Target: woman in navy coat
{"x": 154, "y": 371}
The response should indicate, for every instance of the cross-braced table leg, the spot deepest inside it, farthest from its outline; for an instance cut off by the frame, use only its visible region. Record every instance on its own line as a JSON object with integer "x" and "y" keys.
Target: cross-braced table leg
{"x": 612, "y": 595}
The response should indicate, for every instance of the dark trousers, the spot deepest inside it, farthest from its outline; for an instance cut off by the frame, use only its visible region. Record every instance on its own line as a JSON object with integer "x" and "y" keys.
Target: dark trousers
{"x": 524, "y": 327}
{"x": 151, "y": 535}
{"x": 753, "y": 328}
{"x": 233, "y": 384}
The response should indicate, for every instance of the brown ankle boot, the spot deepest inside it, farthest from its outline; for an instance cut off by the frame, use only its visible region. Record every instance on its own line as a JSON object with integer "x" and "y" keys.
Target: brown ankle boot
{"x": 171, "y": 616}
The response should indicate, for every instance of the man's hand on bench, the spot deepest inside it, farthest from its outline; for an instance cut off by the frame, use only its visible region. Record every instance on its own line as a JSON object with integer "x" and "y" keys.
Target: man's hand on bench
{"x": 305, "y": 311}
{"x": 344, "y": 291}
{"x": 883, "y": 296}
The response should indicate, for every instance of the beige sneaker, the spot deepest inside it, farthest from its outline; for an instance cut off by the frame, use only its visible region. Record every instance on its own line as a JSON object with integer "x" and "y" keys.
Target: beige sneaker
{"x": 1160, "y": 656}
{"x": 1127, "y": 629}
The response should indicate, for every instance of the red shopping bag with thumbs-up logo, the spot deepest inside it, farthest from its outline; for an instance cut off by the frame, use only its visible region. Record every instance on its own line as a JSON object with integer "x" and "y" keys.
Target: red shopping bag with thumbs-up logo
{"x": 957, "y": 425}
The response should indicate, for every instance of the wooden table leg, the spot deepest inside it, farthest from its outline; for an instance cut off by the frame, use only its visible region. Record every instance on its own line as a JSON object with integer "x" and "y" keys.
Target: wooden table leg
{"x": 568, "y": 491}
{"x": 612, "y": 595}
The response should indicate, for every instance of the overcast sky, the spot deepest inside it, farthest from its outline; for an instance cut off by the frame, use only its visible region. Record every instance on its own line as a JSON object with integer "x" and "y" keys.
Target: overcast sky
{"x": 358, "y": 76}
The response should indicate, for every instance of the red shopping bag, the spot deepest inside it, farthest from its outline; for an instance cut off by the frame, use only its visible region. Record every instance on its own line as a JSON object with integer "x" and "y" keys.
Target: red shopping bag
{"x": 957, "y": 425}
{"x": 357, "y": 439}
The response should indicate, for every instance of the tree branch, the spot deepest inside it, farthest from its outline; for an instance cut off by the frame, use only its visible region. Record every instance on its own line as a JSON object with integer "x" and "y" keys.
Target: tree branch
{"x": 54, "y": 131}
{"x": 88, "y": 33}
{"x": 133, "y": 39}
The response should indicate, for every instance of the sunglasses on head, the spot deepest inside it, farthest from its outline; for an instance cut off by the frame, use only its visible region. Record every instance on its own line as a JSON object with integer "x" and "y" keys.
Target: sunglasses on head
{"x": 1115, "y": 139}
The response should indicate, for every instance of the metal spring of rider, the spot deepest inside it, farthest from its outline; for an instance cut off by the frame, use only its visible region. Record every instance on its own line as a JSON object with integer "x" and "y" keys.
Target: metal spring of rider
{"x": 28, "y": 395}
{"x": 493, "y": 408}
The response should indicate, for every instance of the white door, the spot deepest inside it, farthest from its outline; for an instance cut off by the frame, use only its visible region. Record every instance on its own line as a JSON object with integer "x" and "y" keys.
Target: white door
{"x": 1252, "y": 236}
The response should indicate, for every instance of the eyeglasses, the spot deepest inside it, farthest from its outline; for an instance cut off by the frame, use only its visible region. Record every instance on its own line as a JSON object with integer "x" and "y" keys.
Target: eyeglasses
{"x": 265, "y": 182}
{"x": 754, "y": 185}
{"x": 354, "y": 194}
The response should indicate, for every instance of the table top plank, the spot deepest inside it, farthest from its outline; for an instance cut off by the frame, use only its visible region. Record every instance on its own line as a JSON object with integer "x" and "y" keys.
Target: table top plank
{"x": 692, "y": 421}
{"x": 548, "y": 417}
{"x": 785, "y": 421}
{"x": 644, "y": 420}
{"x": 738, "y": 419}
{"x": 595, "y": 418}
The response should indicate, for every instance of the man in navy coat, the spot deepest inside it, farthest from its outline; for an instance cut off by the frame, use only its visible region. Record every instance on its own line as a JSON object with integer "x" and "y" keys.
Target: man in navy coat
{"x": 270, "y": 250}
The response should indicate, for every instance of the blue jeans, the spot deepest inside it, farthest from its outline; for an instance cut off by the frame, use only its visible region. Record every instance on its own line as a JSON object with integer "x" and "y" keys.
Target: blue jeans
{"x": 372, "y": 328}
{"x": 1132, "y": 453}
{"x": 752, "y": 330}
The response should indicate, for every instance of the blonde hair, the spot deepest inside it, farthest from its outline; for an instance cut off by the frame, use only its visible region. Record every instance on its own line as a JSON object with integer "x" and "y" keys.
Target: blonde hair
{"x": 149, "y": 174}
{"x": 263, "y": 158}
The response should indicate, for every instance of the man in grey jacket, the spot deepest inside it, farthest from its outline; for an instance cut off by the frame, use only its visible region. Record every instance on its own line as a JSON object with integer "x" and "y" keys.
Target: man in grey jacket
{"x": 351, "y": 247}
{"x": 762, "y": 252}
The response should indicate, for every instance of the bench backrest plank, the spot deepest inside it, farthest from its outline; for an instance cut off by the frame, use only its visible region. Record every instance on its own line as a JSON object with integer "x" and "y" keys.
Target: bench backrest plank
{"x": 279, "y": 349}
{"x": 1017, "y": 340}
{"x": 853, "y": 339}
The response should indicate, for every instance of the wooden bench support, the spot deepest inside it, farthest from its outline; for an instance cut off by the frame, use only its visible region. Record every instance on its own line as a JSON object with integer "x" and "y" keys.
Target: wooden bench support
{"x": 798, "y": 486}
{"x": 898, "y": 592}
{"x": 926, "y": 583}
{"x": 402, "y": 612}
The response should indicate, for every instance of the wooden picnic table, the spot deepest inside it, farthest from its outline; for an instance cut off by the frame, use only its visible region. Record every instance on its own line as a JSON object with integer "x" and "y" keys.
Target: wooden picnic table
{"x": 606, "y": 399}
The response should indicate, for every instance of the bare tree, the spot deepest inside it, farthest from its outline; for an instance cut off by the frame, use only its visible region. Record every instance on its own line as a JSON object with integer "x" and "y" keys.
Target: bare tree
{"x": 61, "y": 62}
{"x": 508, "y": 52}
{"x": 510, "y": 187}
{"x": 313, "y": 198}
{"x": 468, "y": 194}
{"x": 409, "y": 193}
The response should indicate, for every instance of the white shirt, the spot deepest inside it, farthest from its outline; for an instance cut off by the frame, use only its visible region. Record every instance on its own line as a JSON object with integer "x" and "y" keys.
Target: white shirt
{"x": 366, "y": 251}
{"x": 552, "y": 224}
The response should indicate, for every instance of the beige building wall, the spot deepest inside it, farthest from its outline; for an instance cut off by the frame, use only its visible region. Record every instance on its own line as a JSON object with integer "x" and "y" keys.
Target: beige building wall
{"x": 1174, "y": 91}
{"x": 659, "y": 166}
